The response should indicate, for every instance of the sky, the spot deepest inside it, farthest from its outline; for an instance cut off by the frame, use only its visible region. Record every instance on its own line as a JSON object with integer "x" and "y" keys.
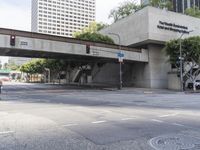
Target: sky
{"x": 16, "y": 14}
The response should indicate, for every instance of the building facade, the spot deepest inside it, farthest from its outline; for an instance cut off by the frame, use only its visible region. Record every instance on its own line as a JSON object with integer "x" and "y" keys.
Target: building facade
{"x": 62, "y": 17}
{"x": 179, "y": 5}
{"x": 150, "y": 28}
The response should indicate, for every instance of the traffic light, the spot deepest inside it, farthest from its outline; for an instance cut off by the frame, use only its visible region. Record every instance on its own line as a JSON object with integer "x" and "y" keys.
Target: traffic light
{"x": 87, "y": 49}
{"x": 12, "y": 40}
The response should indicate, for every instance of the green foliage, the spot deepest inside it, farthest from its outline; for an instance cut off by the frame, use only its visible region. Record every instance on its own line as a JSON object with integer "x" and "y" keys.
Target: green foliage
{"x": 13, "y": 66}
{"x": 91, "y": 34}
{"x": 34, "y": 66}
{"x": 161, "y": 4}
{"x": 125, "y": 9}
{"x": 194, "y": 12}
{"x": 95, "y": 37}
{"x": 190, "y": 49}
{"x": 131, "y": 6}
{"x": 92, "y": 28}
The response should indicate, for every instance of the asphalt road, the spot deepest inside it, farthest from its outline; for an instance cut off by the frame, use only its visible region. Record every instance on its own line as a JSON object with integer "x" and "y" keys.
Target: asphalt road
{"x": 47, "y": 117}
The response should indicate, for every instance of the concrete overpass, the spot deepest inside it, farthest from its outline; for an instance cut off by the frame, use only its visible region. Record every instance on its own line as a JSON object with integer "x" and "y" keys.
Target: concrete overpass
{"x": 37, "y": 45}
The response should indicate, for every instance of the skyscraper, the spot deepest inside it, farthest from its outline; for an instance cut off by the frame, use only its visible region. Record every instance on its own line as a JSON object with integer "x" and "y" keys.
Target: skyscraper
{"x": 180, "y": 5}
{"x": 62, "y": 17}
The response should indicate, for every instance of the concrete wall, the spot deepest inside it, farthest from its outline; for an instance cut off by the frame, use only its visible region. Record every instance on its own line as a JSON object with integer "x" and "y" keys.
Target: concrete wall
{"x": 66, "y": 48}
{"x": 141, "y": 27}
{"x": 154, "y": 73}
{"x": 132, "y": 29}
{"x": 173, "y": 81}
{"x": 108, "y": 74}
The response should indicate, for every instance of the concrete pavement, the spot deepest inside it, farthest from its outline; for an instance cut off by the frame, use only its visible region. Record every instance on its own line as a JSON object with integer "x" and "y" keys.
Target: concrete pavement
{"x": 46, "y": 117}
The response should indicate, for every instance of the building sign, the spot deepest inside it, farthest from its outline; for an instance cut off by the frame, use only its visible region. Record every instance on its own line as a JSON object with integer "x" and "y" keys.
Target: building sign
{"x": 23, "y": 43}
{"x": 173, "y": 27}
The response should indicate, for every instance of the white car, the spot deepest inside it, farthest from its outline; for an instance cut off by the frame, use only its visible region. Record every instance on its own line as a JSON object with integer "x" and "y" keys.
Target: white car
{"x": 197, "y": 84}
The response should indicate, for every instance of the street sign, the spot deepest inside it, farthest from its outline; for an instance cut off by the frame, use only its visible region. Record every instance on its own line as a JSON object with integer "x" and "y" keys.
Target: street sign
{"x": 121, "y": 59}
{"x": 120, "y": 56}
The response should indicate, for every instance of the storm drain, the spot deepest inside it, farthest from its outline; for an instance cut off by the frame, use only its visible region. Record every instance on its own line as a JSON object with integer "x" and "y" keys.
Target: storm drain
{"x": 175, "y": 142}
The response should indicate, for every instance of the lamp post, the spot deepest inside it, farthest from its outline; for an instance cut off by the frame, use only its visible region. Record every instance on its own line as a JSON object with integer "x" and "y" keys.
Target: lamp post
{"x": 181, "y": 60}
{"x": 120, "y": 63}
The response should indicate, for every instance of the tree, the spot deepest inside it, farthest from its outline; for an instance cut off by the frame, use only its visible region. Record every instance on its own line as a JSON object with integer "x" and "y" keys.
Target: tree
{"x": 161, "y": 4}
{"x": 131, "y": 6}
{"x": 191, "y": 57}
{"x": 125, "y": 9}
{"x": 92, "y": 28}
{"x": 190, "y": 49}
{"x": 95, "y": 37}
{"x": 194, "y": 12}
{"x": 13, "y": 66}
{"x": 91, "y": 34}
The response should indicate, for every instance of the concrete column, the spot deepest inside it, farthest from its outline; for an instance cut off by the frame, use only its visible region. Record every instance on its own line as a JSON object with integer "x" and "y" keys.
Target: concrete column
{"x": 153, "y": 74}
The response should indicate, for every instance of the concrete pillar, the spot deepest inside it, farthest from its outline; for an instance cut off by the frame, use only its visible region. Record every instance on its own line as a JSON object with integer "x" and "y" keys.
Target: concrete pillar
{"x": 153, "y": 74}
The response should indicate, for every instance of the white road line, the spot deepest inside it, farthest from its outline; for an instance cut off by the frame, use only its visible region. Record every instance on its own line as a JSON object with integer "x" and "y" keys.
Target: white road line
{"x": 6, "y": 132}
{"x": 124, "y": 119}
{"x": 155, "y": 120}
{"x": 97, "y": 122}
{"x": 177, "y": 124}
{"x": 69, "y": 125}
{"x": 168, "y": 115}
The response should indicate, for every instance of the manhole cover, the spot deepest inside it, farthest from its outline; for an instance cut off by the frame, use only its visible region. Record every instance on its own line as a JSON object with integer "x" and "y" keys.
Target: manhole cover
{"x": 175, "y": 142}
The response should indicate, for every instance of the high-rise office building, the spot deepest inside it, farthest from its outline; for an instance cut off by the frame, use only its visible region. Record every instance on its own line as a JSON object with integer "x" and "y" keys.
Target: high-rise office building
{"x": 180, "y": 5}
{"x": 62, "y": 17}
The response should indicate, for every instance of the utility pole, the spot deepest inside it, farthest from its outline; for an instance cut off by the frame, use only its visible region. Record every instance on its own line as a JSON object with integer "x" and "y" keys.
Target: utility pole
{"x": 120, "y": 62}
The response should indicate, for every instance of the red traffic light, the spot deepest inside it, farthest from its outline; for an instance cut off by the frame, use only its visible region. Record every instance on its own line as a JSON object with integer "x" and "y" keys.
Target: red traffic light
{"x": 12, "y": 40}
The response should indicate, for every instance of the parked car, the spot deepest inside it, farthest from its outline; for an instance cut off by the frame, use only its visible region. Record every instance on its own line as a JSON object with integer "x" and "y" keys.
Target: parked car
{"x": 5, "y": 78}
{"x": 197, "y": 83}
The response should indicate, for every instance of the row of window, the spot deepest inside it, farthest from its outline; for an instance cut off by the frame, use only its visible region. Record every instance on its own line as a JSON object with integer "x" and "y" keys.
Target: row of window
{"x": 67, "y": 8}
{"x": 62, "y": 16}
{"x": 68, "y": 1}
{"x": 66, "y": 4}
{"x": 67, "y": 23}
{"x": 67, "y": 29}
{"x": 56, "y": 33}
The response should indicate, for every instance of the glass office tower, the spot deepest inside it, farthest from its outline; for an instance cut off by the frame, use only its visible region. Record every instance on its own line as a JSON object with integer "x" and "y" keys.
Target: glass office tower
{"x": 180, "y": 5}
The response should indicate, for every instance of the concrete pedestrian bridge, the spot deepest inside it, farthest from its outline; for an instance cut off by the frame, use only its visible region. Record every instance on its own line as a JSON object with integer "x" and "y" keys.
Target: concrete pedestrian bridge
{"x": 28, "y": 44}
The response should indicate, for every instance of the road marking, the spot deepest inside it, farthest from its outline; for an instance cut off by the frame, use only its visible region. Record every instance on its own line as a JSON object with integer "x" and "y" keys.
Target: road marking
{"x": 155, "y": 120}
{"x": 177, "y": 124}
{"x": 69, "y": 125}
{"x": 124, "y": 119}
{"x": 168, "y": 115}
{"x": 97, "y": 122}
{"x": 6, "y": 132}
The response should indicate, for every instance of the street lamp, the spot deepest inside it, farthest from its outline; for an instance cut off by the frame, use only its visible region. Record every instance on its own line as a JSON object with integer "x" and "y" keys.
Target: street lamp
{"x": 120, "y": 63}
{"x": 181, "y": 60}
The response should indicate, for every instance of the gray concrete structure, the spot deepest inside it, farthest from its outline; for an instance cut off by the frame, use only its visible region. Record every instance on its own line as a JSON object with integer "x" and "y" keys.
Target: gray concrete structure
{"x": 150, "y": 28}
{"x": 40, "y": 45}
{"x": 143, "y": 35}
